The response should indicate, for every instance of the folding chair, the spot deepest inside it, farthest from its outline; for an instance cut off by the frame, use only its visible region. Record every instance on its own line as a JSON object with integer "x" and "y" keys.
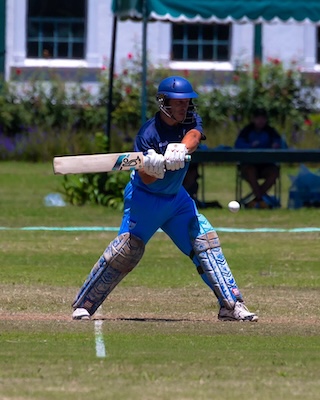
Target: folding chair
{"x": 245, "y": 199}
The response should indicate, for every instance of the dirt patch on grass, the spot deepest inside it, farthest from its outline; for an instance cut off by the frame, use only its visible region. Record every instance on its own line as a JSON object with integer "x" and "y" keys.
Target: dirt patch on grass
{"x": 149, "y": 318}
{"x": 285, "y": 308}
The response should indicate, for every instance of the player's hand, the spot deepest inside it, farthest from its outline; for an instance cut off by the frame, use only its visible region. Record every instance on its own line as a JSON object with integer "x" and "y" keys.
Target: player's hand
{"x": 154, "y": 164}
{"x": 175, "y": 156}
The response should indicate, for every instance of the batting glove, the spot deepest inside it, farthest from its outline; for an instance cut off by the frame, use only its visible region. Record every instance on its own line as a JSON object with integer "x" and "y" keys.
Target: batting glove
{"x": 154, "y": 164}
{"x": 175, "y": 156}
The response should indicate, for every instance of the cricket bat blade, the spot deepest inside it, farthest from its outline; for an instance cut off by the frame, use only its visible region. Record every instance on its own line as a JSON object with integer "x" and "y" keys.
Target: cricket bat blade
{"x": 86, "y": 164}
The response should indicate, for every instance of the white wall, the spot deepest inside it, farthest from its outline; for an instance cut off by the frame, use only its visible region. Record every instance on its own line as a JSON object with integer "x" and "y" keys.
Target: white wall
{"x": 15, "y": 34}
{"x": 242, "y": 43}
{"x": 290, "y": 42}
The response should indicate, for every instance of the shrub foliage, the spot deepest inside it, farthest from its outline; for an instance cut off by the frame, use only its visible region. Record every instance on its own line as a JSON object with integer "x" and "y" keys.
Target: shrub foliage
{"x": 105, "y": 189}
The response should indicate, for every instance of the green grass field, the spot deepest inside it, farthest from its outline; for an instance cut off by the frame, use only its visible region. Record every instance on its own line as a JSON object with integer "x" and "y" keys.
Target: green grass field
{"x": 160, "y": 331}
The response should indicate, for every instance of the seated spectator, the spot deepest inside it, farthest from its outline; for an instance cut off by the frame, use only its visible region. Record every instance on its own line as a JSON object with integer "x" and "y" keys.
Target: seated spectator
{"x": 259, "y": 135}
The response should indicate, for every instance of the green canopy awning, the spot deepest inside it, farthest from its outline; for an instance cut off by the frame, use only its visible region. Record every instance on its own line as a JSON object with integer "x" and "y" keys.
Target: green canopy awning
{"x": 206, "y": 11}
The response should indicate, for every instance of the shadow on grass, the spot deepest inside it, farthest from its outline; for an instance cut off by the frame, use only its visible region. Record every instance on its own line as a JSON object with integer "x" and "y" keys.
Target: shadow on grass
{"x": 149, "y": 319}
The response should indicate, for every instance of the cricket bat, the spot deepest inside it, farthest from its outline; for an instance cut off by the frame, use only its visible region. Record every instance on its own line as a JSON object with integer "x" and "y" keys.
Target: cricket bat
{"x": 86, "y": 164}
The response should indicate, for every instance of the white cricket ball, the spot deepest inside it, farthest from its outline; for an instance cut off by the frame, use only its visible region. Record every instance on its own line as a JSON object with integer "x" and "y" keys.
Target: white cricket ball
{"x": 234, "y": 206}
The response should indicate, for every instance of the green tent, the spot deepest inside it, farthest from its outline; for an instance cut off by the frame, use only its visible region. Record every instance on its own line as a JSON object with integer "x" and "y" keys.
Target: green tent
{"x": 207, "y": 11}
{"x": 219, "y": 10}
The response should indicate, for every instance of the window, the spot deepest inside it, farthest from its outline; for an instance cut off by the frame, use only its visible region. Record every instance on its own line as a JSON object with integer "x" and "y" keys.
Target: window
{"x": 199, "y": 42}
{"x": 56, "y": 29}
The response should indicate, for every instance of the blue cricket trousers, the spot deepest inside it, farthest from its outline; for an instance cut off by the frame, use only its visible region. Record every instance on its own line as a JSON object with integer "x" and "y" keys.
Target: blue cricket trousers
{"x": 145, "y": 213}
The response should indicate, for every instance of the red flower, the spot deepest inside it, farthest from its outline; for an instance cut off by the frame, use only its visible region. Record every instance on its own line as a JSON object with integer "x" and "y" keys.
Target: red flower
{"x": 130, "y": 56}
{"x": 186, "y": 73}
{"x": 308, "y": 122}
{"x": 103, "y": 68}
{"x": 257, "y": 62}
{"x": 274, "y": 61}
{"x": 128, "y": 90}
{"x": 236, "y": 78}
{"x": 18, "y": 71}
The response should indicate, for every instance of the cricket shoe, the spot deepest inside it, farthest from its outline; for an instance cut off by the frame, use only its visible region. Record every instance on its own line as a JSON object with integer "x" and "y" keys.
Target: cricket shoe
{"x": 239, "y": 313}
{"x": 81, "y": 313}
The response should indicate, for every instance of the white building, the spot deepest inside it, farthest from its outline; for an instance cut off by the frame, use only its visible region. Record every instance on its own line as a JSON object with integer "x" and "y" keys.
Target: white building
{"x": 74, "y": 35}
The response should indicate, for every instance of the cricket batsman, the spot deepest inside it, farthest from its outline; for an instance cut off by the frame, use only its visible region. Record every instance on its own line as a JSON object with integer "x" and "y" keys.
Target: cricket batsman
{"x": 155, "y": 198}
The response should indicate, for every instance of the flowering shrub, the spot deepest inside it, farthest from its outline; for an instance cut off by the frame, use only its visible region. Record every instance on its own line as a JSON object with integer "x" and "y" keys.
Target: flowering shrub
{"x": 285, "y": 93}
{"x": 41, "y": 118}
{"x": 126, "y": 113}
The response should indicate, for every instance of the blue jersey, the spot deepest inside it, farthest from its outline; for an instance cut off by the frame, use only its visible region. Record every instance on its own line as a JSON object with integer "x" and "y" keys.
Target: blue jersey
{"x": 156, "y": 134}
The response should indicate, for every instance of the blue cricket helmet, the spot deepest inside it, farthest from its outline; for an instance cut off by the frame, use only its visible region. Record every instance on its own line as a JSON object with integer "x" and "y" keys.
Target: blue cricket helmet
{"x": 176, "y": 87}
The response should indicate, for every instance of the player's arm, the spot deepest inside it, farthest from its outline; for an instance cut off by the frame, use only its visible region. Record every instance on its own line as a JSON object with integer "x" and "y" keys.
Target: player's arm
{"x": 146, "y": 179}
{"x": 194, "y": 136}
{"x": 192, "y": 140}
{"x": 176, "y": 152}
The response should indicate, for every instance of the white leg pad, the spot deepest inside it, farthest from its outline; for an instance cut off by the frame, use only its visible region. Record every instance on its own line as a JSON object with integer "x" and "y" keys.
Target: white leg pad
{"x": 119, "y": 258}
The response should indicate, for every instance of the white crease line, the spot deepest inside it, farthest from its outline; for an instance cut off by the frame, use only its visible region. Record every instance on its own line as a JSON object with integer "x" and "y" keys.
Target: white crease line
{"x": 98, "y": 333}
